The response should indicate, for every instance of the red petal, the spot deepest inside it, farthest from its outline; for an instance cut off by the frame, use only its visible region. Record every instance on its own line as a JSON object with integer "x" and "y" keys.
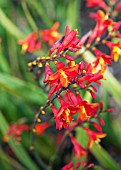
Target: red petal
{"x": 68, "y": 57}
{"x": 97, "y": 126}
{"x": 52, "y": 90}
{"x": 101, "y": 121}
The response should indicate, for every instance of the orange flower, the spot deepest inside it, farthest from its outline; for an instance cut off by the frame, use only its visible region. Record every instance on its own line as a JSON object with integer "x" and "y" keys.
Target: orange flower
{"x": 30, "y": 44}
{"x": 63, "y": 116}
{"x": 102, "y": 23}
{"x": 51, "y": 35}
{"x": 84, "y": 108}
{"x": 94, "y": 137}
{"x": 115, "y": 49}
{"x": 41, "y": 127}
{"x": 64, "y": 75}
{"x": 68, "y": 41}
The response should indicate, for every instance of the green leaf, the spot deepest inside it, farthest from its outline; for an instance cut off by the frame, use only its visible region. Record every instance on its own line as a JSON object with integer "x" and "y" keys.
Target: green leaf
{"x": 73, "y": 13}
{"x": 97, "y": 168}
{"x": 28, "y": 16}
{"x": 10, "y": 161}
{"x": 25, "y": 90}
{"x": 3, "y": 63}
{"x": 9, "y": 25}
{"x": 104, "y": 158}
{"x": 18, "y": 149}
{"x": 37, "y": 6}
{"x": 113, "y": 86}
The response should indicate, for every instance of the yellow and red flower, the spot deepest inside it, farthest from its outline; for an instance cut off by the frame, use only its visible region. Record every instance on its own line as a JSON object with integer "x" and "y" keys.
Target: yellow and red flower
{"x": 51, "y": 35}
{"x": 31, "y": 43}
{"x": 84, "y": 108}
{"x": 68, "y": 41}
{"x": 94, "y": 136}
{"x": 115, "y": 49}
{"x": 63, "y": 75}
{"x": 63, "y": 116}
{"x": 102, "y": 23}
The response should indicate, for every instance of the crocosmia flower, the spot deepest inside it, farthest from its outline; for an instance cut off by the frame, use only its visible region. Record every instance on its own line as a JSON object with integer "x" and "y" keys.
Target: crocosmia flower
{"x": 63, "y": 74}
{"x": 31, "y": 43}
{"x": 15, "y": 131}
{"x": 96, "y": 3}
{"x": 41, "y": 127}
{"x": 68, "y": 41}
{"x": 51, "y": 35}
{"x": 79, "y": 151}
{"x": 94, "y": 137}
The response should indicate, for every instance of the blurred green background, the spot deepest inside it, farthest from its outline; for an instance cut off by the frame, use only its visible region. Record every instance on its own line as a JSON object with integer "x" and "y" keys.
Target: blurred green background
{"x": 20, "y": 95}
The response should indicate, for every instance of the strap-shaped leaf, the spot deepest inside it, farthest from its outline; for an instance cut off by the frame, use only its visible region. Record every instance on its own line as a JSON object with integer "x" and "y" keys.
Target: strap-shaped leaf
{"x": 25, "y": 90}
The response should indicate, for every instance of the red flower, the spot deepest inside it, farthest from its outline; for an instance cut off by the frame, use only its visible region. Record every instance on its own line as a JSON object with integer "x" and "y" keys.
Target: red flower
{"x": 90, "y": 75}
{"x": 84, "y": 108}
{"x": 101, "y": 56}
{"x": 48, "y": 72}
{"x": 69, "y": 41}
{"x": 63, "y": 116}
{"x": 79, "y": 151}
{"x": 93, "y": 136}
{"x": 115, "y": 49}
{"x": 96, "y": 3}
{"x": 64, "y": 75}
{"x": 15, "y": 130}
{"x": 101, "y": 26}
{"x": 118, "y": 7}
{"x": 41, "y": 127}
{"x": 31, "y": 43}
{"x": 70, "y": 166}
{"x": 51, "y": 35}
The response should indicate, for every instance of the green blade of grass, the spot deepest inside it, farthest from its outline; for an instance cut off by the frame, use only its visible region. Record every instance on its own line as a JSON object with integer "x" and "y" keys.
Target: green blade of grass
{"x": 18, "y": 149}
{"x": 97, "y": 168}
{"x": 113, "y": 86}
{"x": 104, "y": 158}
{"x": 25, "y": 90}
{"x": 4, "y": 64}
{"x": 40, "y": 10}
{"x": 12, "y": 162}
{"x": 28, "y": 16}
{"x": 73, "y": 13}
{"x": 9, "y": 25}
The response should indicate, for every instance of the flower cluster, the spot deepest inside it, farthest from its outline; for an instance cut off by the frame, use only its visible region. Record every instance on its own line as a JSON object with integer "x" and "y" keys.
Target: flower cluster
{"x": 68, "y": 76}
{"x": 112, "y": 7}
{"x": 34, "y": 40}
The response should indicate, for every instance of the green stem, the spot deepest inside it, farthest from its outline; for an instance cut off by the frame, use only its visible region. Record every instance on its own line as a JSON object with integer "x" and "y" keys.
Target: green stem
{"x": 28, "y": 16}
